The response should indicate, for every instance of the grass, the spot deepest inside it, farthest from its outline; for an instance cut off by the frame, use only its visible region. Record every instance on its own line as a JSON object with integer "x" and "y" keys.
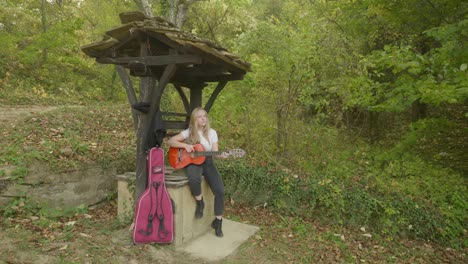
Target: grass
{"x": 66, "y": 139}
{"x": 316, "y": 242}
{"x": 69, "y": 138}
{"x": 95, "y": 235}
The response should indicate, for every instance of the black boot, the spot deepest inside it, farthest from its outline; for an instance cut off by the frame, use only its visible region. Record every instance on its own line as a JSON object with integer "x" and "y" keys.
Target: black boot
{"x": 199, "y": 210}
{"x": 217, "y": 224}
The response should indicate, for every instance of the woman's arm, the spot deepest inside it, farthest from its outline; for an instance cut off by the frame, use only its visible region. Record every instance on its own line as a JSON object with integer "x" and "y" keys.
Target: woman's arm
{"x": 177, "y": 141}
{"x": 215, "y": 147}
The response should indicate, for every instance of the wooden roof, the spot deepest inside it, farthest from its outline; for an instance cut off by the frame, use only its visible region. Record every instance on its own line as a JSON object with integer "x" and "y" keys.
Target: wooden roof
{"x": 197, "y": 59}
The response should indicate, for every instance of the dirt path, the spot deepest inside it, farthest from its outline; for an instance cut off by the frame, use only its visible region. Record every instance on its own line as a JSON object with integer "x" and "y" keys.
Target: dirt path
{"x": 9, "y": 114}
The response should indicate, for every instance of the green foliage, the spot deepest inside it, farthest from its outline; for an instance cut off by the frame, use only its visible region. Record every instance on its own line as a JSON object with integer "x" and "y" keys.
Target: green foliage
{"x": 415, "y": 77}
{"x": 19, "y": 172}
{"x": 45, "y": 65}
{"x": 44, "y": 217}
{"x": 422, "y": 62}
{"x": 243, "y": 179}
{"x": 283, "y": 56}
{"x": 434, "y": 140}
{"x": 390, "y": 192}
{"x": 219, "y": 21}
{"x": 18, "y": 206}
{"x": 317, "y": 65}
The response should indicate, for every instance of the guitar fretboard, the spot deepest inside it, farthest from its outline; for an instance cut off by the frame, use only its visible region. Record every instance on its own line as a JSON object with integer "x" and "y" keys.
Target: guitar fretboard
{"x": 208, "y": 153}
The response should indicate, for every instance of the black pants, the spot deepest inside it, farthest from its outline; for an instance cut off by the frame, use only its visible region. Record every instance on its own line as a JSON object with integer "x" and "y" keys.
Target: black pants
{"x": 212, "y": 177}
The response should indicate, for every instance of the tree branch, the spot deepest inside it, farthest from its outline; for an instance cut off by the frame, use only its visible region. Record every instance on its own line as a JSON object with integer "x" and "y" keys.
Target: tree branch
{"x": 437, "y": 10}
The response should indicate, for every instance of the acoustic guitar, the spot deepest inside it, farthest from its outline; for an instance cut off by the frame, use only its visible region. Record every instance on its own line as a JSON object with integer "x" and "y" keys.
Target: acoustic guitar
{"x": 180, "y": 158}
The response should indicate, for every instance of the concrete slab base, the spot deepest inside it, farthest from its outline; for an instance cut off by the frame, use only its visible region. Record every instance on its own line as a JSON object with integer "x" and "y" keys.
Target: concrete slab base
{"x": 209, "y": 247}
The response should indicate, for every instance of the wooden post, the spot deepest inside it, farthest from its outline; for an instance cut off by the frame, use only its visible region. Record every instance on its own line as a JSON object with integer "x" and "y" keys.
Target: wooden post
{"x": 144, "y": 129}
{"x": 196, "y": 96}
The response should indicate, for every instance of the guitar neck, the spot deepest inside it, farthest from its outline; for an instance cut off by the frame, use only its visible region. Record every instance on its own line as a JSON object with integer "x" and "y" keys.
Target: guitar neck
{"x": 208, "y": 153}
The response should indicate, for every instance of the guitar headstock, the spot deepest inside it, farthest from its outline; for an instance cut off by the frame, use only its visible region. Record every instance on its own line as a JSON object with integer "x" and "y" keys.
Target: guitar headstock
{"x": 236, "y": 153}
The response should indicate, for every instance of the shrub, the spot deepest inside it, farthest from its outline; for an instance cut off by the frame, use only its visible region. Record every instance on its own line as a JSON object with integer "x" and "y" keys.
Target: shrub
{"x": 421, "y": 201}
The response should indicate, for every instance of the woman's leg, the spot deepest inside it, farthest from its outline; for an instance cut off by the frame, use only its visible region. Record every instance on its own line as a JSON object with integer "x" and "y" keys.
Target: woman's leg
{"x": 194, "y": 173}
{"x": 215, "y": 181}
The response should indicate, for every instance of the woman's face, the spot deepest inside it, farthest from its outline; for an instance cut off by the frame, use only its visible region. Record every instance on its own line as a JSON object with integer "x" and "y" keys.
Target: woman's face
{"x": 201, "y": 118}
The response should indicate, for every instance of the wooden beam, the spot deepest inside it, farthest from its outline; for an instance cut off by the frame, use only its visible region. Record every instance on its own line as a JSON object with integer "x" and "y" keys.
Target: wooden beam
{"x": 163, "y": 81}
{"x": 167, "y": 41}
{"x": 131, "y": 96}
{"x": 205, "y": 70}
{"x": 196, "y": 95}
{"x": 186, "y": 104}
{"x": 127, "y": 84}
{"x": 154, "y": 60}
{"x": 206, "y": 73}
{"x": 183, "y": 97}
{"x": 122, "y": 41}
{"x": 215, "y": 94}
{"x": 215, "y": 58}
{"x": 187, "y": 81}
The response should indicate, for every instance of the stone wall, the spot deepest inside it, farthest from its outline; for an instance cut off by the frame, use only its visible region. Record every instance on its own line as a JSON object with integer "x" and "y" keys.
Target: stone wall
{"x": 64, "y": 189}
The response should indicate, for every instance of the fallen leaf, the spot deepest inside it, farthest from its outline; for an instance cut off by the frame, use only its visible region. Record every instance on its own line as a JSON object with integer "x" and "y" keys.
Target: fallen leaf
{"x": 71, "y": 223}
{"x": 64, "y": 247}
{"x": 85, "y": 235}
{"x": 55, "y": 246}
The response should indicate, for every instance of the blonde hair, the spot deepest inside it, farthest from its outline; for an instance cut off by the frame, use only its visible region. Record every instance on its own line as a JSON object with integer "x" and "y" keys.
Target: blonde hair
{"x": 194, "y": 138}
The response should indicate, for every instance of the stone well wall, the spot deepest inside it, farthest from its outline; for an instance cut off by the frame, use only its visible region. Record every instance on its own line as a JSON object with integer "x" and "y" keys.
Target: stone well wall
{"x": 186, "y": 226}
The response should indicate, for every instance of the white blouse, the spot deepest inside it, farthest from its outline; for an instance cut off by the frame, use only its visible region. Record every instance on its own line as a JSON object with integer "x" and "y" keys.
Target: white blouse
{"x": 207, "y": 144}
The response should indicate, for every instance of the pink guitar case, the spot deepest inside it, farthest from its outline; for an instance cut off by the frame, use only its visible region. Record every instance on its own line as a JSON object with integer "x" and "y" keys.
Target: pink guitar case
{"x": 154, "y": 212}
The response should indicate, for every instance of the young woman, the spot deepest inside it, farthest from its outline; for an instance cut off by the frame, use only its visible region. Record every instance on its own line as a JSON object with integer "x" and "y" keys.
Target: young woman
{"x": 199, "y": 132}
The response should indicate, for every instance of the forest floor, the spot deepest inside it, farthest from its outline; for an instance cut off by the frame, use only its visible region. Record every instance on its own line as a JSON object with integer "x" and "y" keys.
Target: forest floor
{"x": 95, "y": 236}
{"x": 8, "y": 114}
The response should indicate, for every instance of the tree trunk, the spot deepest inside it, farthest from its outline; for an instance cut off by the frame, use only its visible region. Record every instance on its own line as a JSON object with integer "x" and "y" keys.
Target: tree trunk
{"x": 280, "y": 132}
{"x": 373, "y": 127}
{"x": 146, "y": 123}
{"x": 44, "y": 28}
{"x": 146, "y": 85}
{"x": 178, "y": 10}
{"x": 144, "y": 6}
{"x": 418, "y": 110}
{"x": 172, "y": 12}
